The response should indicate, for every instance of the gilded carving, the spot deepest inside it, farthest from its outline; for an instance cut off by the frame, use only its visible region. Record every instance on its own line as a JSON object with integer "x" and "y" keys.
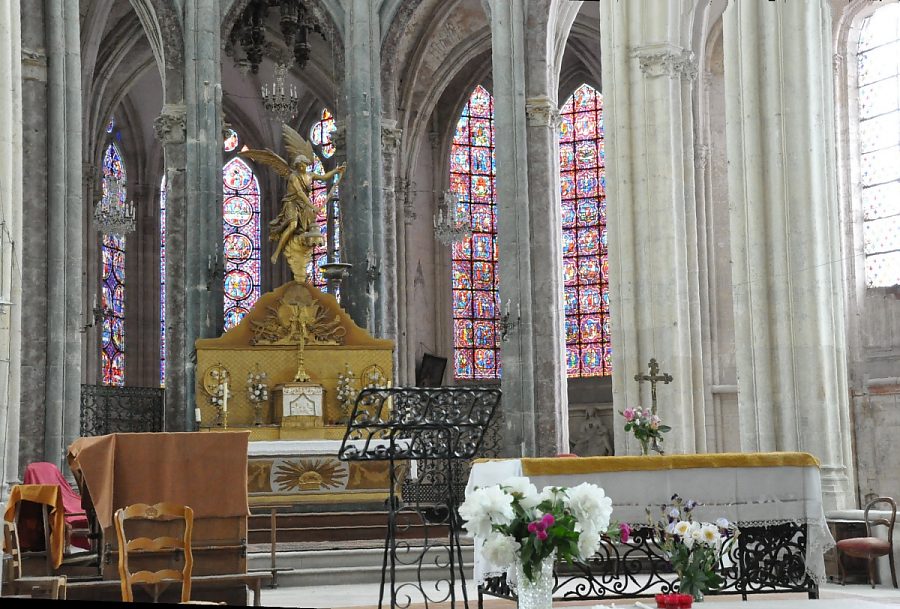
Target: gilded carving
{"x": 310, "y": 474}
{"x": 298, "y": 318}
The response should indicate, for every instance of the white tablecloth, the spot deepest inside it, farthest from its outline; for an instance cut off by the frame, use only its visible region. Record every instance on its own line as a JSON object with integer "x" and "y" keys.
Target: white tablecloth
{"x": 744, "y": 495}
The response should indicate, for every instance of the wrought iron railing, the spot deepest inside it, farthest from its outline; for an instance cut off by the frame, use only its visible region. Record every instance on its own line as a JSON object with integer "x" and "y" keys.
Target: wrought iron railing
{"x": 106, "y": 409}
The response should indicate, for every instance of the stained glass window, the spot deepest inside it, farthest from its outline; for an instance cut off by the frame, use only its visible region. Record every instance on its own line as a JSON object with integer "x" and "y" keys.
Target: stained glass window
{"x": 585, "y": 257}
{"x": 240, "y": 212}
{"x": 878, "y": 55}
{"x": 231, "y": 140}
{"x": 162, "y": 282}
{"x": 476, "y": 303}
{"x": 112, "y": 287}
{"x": 320, "y": 135}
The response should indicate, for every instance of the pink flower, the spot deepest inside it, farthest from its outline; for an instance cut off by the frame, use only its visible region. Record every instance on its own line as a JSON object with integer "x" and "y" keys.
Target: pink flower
{"x": 532, "y": 527}
{"x": 628, "y": 413}
{"x": 624, "y": 532}
{"x": 548, "y": 520}
{"x": 542, "y": 535}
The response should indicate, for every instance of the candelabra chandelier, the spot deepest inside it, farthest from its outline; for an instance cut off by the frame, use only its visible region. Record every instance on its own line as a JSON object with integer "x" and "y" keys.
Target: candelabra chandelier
{"x": 281, "y": 101}
{"x": 448, "y": 229}
{"x": 112, "y": 214}
{"x": 296, "y": 21}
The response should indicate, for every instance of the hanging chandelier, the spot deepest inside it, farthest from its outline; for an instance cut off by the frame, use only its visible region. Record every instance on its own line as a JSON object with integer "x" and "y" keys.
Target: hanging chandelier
{"x": 112, "y": 214}
{"x": 248, "y": 36}
{"x": 448, "y": 229}
{"x": 281, "y": 101}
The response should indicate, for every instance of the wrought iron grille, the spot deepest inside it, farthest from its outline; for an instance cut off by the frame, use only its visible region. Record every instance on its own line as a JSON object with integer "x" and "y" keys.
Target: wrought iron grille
{"x": 106, "y": 409}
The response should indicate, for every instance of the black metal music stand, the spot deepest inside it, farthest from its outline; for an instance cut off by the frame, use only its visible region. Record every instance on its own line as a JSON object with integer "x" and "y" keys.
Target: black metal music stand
{"x": 445, "y": 424}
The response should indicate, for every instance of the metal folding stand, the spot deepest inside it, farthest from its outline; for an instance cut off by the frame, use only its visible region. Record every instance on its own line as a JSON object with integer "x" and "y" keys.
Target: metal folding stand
{"x": 441, "y": 425}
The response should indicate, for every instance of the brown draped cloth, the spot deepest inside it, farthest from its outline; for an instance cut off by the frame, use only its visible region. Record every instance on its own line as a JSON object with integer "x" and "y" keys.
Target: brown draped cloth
{"x": 47, "y": 494}
{"x": 206, "y": 471}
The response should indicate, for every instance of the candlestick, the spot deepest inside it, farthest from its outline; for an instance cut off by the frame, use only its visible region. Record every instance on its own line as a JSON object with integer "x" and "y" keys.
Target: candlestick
{"x": 225, "y": 397}
{"x": 197, "y": 414}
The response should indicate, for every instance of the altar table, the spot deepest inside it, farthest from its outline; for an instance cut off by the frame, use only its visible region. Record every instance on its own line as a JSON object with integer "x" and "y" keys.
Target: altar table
{"x": 753, "y": 490}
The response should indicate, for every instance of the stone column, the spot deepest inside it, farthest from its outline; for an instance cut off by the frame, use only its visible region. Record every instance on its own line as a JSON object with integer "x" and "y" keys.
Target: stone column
{"x": 535, "y": 404}
{"x": 654, "y": 290}
{"x": 390, "y": 146}
{"x": 11, "y": 242}
{"x": 362, "y": 207}
{"x": 199, "y": 208}
{"x": 64, "y": 228}
{"x": 786, "y": 257}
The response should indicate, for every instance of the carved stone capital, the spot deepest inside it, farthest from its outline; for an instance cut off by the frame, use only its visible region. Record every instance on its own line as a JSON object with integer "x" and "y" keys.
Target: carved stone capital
{"x": 666, "y": 60}
{"x": 541, "y": 112}
{"x": 339, "y": 136}
{"x": 390, "y": 136}
{"x": 170, "y": 126}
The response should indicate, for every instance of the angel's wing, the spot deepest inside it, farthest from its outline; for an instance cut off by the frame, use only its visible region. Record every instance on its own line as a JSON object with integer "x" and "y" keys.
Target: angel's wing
{"x": 296, "y": 145}
{"x": 269, "y": 158}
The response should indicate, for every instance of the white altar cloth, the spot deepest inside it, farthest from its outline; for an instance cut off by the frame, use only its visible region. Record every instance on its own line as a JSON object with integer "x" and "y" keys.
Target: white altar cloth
{"x": 752, "y": 495}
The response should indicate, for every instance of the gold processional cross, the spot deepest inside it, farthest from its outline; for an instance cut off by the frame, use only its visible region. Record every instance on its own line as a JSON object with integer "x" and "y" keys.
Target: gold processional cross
{"x": 654, "y": 377}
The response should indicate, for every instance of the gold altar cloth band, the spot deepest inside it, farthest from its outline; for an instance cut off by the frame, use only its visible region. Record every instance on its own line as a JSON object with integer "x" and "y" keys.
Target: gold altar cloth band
{"x": 554, "y": 466}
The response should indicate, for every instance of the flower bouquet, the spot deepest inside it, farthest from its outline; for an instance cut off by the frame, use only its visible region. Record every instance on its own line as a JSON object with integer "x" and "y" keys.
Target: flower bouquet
{"x": 257, "y": 393}
{"x": 693, "y": 547}
{"x": 523, "y": 531}
{"x": 646, "y": 427}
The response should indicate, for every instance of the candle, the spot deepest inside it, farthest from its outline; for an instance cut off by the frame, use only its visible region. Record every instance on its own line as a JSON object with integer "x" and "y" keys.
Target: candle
{"x": 197, "y": 414}
{"x": 225, "y": 397}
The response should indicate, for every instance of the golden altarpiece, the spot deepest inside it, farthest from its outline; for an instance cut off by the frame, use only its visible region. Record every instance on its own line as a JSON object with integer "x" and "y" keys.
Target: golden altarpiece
{"x": 289, "y": 371}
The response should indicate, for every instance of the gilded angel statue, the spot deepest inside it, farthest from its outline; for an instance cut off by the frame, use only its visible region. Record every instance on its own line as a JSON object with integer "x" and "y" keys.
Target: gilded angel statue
{"x": 295, "y": 228}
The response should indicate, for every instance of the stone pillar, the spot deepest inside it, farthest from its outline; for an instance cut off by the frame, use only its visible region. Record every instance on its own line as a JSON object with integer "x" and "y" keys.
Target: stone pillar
{"x": 535, "y": 404}
{"x": 199, "y": 208}
{"x": 786, "y": 257}
{"x": 65, "y": 229}
{"x": 362, "y": 207}
{"x": 390, "y": 146}
{"x": 654, "y": 289}
{"x": 10, "y": 243}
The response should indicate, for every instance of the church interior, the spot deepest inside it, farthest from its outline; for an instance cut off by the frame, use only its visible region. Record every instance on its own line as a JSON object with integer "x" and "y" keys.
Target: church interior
{"x": 258, "y": 256}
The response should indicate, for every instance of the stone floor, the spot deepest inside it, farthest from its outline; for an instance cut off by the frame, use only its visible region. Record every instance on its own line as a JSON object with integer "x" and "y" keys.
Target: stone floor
{"x": 366, "y": 596}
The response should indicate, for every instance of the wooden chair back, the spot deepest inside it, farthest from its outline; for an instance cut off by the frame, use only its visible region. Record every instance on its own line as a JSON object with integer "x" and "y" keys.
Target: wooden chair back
{"x": 158, "y": 545}
{"x": 882, "y": 521}
{"x": 36, "y": 587}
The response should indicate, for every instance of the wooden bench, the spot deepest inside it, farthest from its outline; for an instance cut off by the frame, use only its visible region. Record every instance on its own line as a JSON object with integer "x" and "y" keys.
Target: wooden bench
{"x": 253, "y": 581}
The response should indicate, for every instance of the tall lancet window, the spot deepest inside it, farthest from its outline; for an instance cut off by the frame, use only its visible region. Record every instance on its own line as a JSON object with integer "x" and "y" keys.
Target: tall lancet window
{"x": 585, "y": 259}
{"x": 878, "y": 57}
{"x": 328, "y": 210}
{"x": 112, "y": 285}
{"x": 162, "y": 282}
{"x": 241, "y": 238}
{"x": 476, "y": 302}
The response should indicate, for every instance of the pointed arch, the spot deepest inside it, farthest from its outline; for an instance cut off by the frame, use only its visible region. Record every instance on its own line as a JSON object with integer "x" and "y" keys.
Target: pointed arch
{"x": 241, "y": 239}
{"x": 585, "y": 255}
{"x": 112, "y": 279}
{"x": 474, "y": 283}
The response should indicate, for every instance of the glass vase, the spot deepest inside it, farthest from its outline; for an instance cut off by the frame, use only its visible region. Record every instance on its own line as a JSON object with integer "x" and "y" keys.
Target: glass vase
{"x": 695, "y": 592}
{"x": 537, "y": 593}
{"x": 645, "y": 447}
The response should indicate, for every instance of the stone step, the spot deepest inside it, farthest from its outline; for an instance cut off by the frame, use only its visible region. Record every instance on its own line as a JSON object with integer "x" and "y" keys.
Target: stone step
{"x": 335, "y": 526}
{"x": 350, "y": 566}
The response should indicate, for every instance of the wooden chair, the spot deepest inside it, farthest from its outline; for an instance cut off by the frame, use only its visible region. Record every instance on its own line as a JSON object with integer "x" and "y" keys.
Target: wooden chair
{"x": 871, "y": 547}
{"x": 35, "y": 587}
{"x": 158, "y": 545}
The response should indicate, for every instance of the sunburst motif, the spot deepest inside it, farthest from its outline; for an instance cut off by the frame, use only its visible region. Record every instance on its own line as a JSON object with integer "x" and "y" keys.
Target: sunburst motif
{"x": 310, "y": 475}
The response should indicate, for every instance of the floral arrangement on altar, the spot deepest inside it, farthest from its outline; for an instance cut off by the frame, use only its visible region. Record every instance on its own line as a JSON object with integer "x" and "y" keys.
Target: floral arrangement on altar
{"x": 646, "y": 427}
{"x": 257, "y": 392}
{"x": 346, "y": 392}
{"x": 523, "y": 531}
{"x": 693, "y": 547}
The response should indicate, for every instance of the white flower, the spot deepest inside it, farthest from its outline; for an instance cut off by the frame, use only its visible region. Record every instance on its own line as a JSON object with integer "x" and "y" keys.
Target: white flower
{"x": 710, "y": 535}
{"x": 723, "y": 523}
{"x": 484, "y": 507}
{"x": 682, "y": 528}
{"x": 688, "y": 541}
{"x": 500, "y": 550}
{"x": 674, "y": 513}
{"x": 522, "y": 486}
{"x": 590, "y": 505}
{"x": 588, "y": 543}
